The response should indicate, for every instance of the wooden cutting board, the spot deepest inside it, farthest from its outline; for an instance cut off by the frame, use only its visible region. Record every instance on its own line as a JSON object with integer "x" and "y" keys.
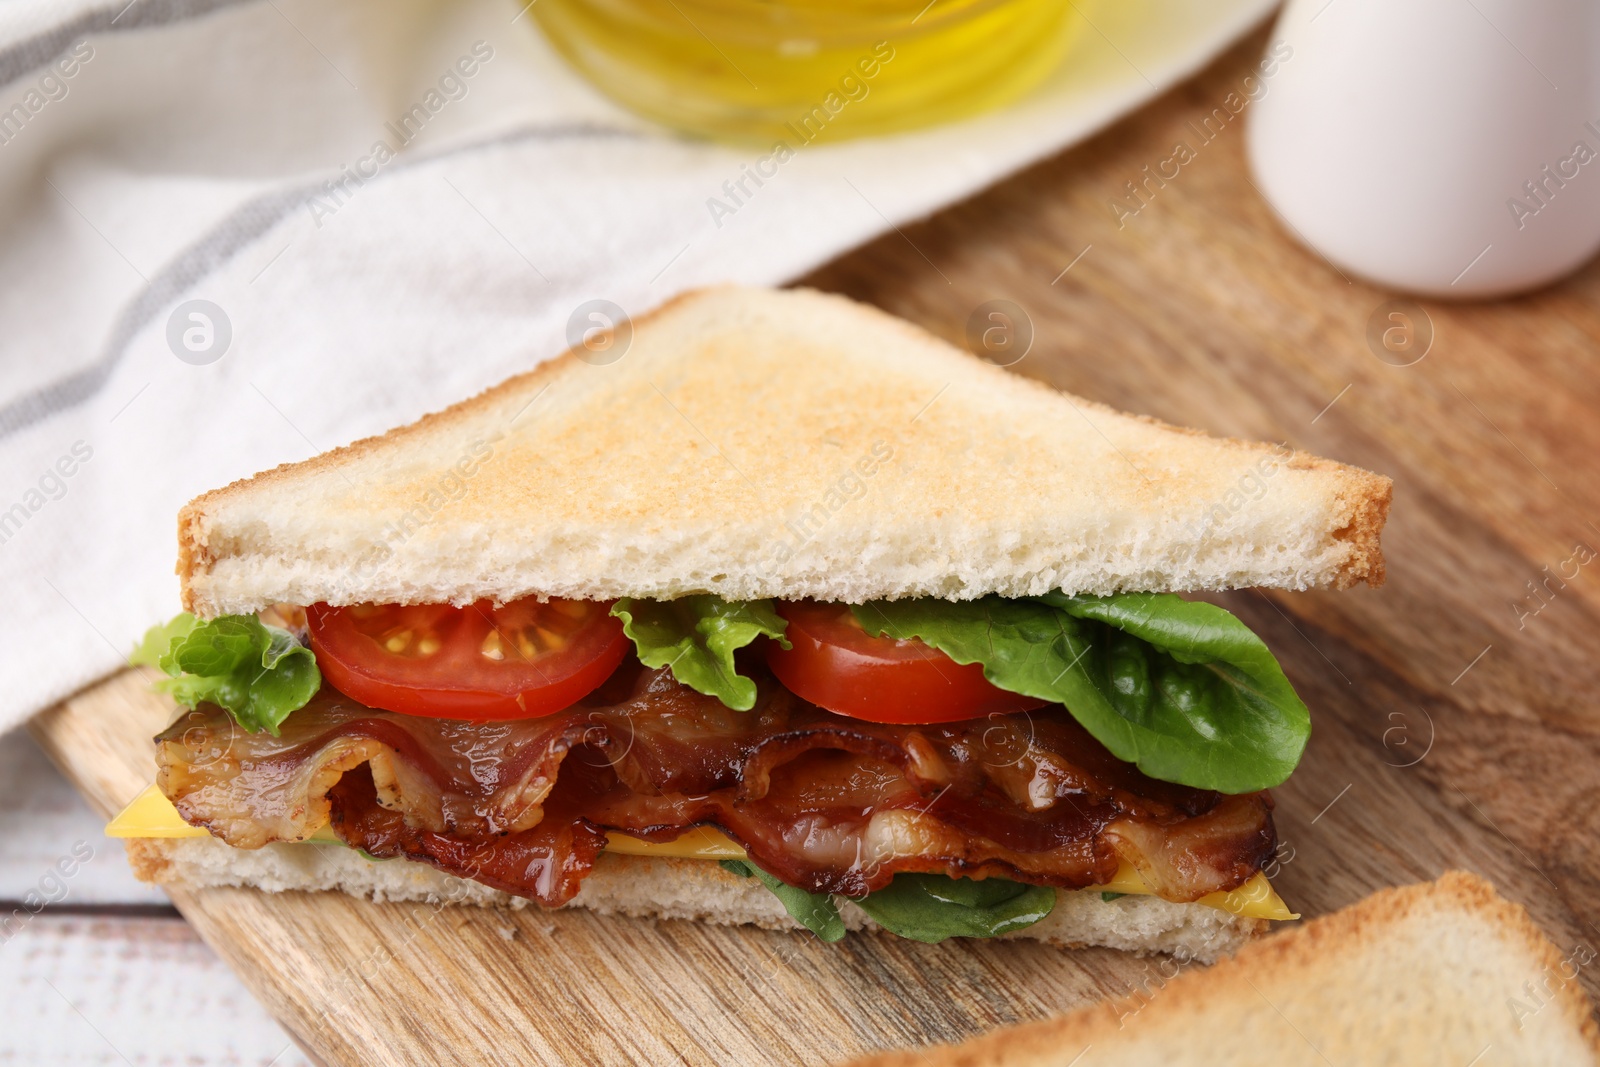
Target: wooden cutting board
{"x": 1455, "y": 708}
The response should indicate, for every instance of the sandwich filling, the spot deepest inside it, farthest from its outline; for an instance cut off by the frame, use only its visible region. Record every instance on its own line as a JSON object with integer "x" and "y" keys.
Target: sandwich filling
{"x": 850, "y": 751}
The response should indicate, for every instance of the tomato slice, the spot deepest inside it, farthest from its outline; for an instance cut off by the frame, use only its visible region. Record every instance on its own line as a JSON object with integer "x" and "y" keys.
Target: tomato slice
{"x": 518, "y": 661}
{"x": 837, "y": 665}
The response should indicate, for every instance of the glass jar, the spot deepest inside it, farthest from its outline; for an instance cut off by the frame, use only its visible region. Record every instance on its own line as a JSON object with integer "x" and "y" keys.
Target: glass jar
{"x": 799, "y": 70}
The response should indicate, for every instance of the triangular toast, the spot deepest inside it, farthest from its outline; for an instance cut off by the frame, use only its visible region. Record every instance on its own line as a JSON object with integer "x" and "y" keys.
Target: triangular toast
{"x": 1445, "y": 972}
{"x": 760, "y": 443}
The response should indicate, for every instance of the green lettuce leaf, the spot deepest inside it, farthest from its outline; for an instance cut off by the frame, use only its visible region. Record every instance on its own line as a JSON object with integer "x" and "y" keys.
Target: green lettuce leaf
{"x": 932, "y": 907}
{"x": 1183, "y": 689}
{"x": 815, "y": 911}
{"x": 259, "y": 673}
{"x": 696, "y": 636}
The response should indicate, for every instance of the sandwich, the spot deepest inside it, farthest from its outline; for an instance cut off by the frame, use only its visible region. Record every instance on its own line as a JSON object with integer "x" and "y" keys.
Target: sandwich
{"x": 782, "y": 612}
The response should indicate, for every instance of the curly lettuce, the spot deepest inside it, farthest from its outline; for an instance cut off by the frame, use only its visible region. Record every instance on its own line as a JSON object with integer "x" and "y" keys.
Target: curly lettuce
{"x": 260, "y": 674}
{"x": 696, "y": 637}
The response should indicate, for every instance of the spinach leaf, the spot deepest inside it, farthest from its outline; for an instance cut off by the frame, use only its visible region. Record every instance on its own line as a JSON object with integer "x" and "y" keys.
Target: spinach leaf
{"x": 1183, "y": 689}
{"x": 815, "y": 911}
{"x": 932, "y": 907}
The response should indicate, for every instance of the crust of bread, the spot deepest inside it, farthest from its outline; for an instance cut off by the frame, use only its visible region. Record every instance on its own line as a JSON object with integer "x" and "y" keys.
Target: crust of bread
{"x": 724, "y": 452}
{"x": 664, "y": 888}
{"x": 1431, "y": 973}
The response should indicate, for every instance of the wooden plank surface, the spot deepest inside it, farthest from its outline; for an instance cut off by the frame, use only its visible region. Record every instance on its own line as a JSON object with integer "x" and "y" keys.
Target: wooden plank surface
{"x": 50, "y": 829}
{"x": 107, "y": 990}
{"x": 101, "y": 963}
{"x": 1452, "y": 729}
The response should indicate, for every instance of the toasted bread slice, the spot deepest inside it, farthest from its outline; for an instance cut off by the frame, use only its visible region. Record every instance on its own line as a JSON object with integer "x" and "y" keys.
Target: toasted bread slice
{"x": 758, "y": 443}
{"x": 1446, "y": 972}
{"x": 661, "y": 888}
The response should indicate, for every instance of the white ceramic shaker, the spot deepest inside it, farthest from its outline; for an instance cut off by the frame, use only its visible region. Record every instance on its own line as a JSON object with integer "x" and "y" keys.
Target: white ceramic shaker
{"x": 1445, "y": 147}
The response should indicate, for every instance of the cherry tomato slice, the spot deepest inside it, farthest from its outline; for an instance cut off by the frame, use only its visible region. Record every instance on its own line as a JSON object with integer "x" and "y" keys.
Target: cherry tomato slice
{"x": 521, "y": 660}
{"x": 837, "y": 665}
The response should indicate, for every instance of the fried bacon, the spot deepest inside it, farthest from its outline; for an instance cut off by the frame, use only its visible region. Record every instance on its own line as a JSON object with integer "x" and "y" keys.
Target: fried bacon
{"x": 827, "y": 803}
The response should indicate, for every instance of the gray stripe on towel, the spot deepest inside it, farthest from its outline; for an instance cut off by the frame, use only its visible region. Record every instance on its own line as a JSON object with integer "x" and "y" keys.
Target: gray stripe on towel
{"x": 248, "y": 222}
{"x": 18, "y": 59}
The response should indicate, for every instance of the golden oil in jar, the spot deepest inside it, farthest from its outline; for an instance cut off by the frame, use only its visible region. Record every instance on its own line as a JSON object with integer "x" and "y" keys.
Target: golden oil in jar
{"x": 799, "y": 70}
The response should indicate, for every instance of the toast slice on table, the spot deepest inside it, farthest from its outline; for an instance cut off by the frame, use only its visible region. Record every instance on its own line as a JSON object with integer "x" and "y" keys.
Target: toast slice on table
{"x": 1444, "y": 972}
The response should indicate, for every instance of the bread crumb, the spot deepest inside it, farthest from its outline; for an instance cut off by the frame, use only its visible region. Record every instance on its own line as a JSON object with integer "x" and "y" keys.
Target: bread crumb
{"x": 507, "y": 933}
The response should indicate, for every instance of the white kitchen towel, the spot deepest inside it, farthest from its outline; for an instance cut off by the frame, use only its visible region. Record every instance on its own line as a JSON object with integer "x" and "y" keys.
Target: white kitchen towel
{"x": 233, "y": 234}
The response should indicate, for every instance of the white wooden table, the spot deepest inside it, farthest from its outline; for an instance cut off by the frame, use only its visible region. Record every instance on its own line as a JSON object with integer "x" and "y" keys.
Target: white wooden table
{"x": 106, "y": 972}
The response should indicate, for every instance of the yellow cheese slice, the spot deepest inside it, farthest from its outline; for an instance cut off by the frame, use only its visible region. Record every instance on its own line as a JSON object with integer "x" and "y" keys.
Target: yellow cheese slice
{"x": 152, "y": 815}
{"x": 698, "y": 843}
{"x": 1255, "y": 899}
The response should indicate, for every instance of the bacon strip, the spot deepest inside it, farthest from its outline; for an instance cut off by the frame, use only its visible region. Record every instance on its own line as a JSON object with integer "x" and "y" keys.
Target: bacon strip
{"x": 823, "y": 802}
